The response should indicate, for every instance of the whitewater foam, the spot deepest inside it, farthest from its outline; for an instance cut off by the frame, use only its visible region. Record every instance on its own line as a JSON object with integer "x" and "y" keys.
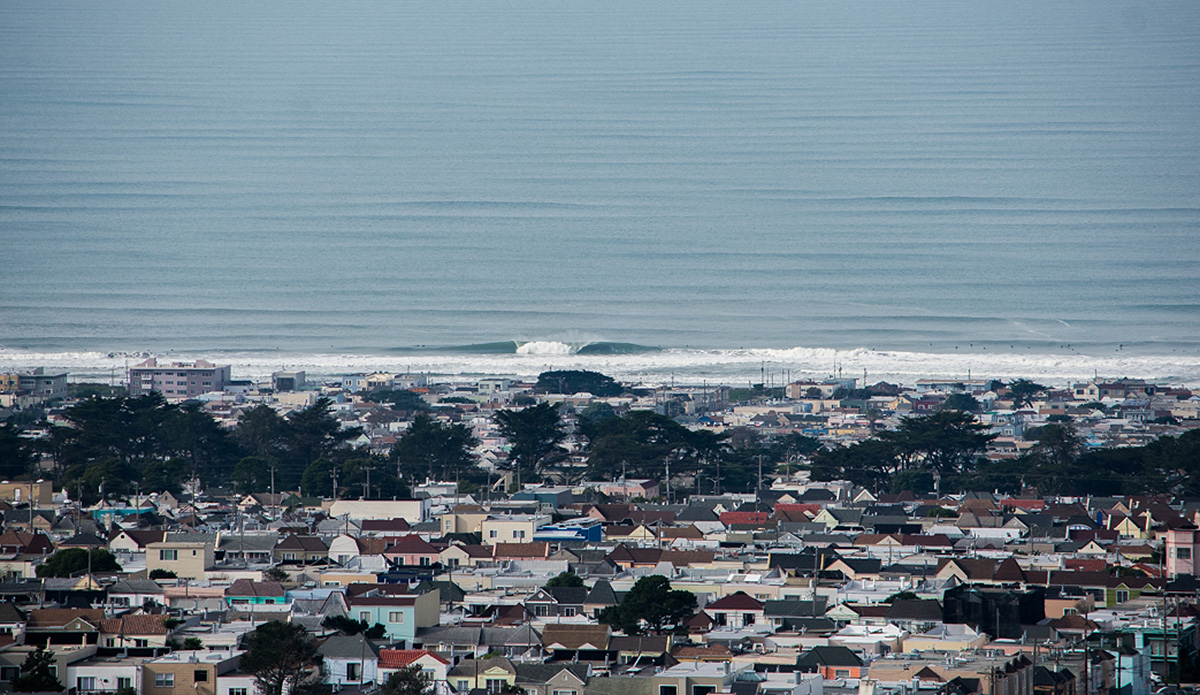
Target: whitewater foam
{"x": 730, "y": 366}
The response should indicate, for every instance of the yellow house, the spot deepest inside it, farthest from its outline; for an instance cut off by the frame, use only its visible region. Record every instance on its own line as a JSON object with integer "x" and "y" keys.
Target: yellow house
{"x": 512, "y": 528}
{"x": 19, "y": 492}
{"x": 1129, "y": 528}
{"x": 493, "y": 674}
{"x": 187, "y": 559}
{"x": 465, "y": 518}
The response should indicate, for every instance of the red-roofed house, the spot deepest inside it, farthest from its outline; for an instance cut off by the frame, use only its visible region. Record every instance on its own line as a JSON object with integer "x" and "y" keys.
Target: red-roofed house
{"x": 432, "y": 665}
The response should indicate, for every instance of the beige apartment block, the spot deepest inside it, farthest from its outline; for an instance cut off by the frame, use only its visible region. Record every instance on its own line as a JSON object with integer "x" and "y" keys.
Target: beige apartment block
{"x": 191, "y": 672}
{"x": 187, "y": 560}
{"x": 19, "y": 492}
{"x": 515, "y": 528}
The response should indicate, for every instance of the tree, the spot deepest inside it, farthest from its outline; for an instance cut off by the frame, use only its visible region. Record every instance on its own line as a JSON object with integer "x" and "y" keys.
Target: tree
{"x": 579, "y": 381}
{"x": 565, "y": 579}
{"x": 160, "y": 573}
{"x": 16, "y": 452}
{"x": 261, "y": 432}
{"x": 1022, "y": 392}
{"x": 651, "y": 606}
{"x": 276, "y": 574}
{"x": 313, "y": 433}
{"x": 534, "y": 435}
{"x": 961, "y": 401}
{"x": 193, "y": 643}
{"x": 252, "y": 474}
{"x": 279, "y": 656}
{"x": 869, "y": 463}
{"x": 1057, "y": 444}
{"x": 399, "y": 399}
{"x": 641, "y": 442}
{"x": 435, "y": 449}
{"x": 36, "y": 675}
{"x": 68, "y": 562}
{"x": 409, "y": 680}
{"x": 943, "y": 443}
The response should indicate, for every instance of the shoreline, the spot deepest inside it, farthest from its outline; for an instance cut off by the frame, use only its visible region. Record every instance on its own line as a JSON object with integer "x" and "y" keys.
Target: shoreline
{"x": 680, "y": 365}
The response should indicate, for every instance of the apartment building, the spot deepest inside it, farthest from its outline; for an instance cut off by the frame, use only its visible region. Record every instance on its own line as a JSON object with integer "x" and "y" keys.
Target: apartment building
{"x": 177, "y": 380}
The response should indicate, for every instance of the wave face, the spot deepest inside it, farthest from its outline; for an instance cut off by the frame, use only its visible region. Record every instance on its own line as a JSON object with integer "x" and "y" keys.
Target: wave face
{"x": 733, "y": 367}
{"x": 317, "y": 179}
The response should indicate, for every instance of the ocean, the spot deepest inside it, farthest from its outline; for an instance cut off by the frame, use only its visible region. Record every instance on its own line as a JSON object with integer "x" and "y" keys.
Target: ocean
{"x": 659, "y": 190}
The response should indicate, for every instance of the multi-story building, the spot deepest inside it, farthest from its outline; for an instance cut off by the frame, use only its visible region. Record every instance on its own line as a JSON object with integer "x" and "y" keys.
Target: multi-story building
{"x": 187, "y": 559}
{"x": 190, "y": 672}
{"x": 177, "y": 380}
{"x": 401, "y": 615}
{"x": 38, "y": 385}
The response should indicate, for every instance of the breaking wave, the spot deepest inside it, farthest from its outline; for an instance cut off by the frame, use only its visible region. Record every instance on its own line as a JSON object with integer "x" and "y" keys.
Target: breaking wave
{"x": 649, "y": 365}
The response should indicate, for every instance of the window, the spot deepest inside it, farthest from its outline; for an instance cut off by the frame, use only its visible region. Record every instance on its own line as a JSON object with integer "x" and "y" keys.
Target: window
{"x": 569, "y": 611}
{"x": 424, "y": 560}
{"x": 493, "y": 533}
{"x": 453, "y": 562}
{"x": 353, "y": 671}
{"x": 238, "y": 691}
{"x": 1183, "y": 553}
{"x": 396, "y": 617}
{"x": 1122, "y": 595}
{"x": 164, "y": 680}
{"x": 721, "y": 619}
{"x": 519, "y": 533}
{"x": 289, "y": 556}
{"x": 747, "y": 618}
{"x": 541, "y": 610}
{"x": 364, "y": 616}
{"x": 85, "y": 683}
{"x": 496, "y": 685}
{"x": 141, "y": 643}
{"x": 199, "y": 676}
{"x": 703, "y": 689}
{"x": 667, "y": 690}
{"x": 841, "y": 673}
{"x": 462, "y": 686}
{"x": 123, "y": 682}
{"x": 564, "y": 692}
{"x": 168, "y": 555}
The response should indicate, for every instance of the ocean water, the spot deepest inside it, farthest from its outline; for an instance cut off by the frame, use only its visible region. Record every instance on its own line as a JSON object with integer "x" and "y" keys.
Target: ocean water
{"x": 905, "y": 188}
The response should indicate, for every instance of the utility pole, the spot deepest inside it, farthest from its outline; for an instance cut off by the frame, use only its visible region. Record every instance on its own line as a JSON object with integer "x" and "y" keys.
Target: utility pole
{"x": 668, "y": 480}
{"x": 367, "y": 485}
{"x": 272, "y": 492}
{"x": 333, "y": 474}
{"x": 758, "y": 491}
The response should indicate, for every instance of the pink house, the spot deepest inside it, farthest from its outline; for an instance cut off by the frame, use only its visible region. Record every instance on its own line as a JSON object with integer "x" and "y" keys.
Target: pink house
{"x": 411, "y": 550}
{"x": 1182, "y": 546}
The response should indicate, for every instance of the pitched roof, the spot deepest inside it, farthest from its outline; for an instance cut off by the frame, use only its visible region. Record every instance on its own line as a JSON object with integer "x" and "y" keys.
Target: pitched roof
{"x": 411, "y": 544}
{"x": 602, "y": 594}
{"x": 246, "y": 587}
{"x": 309, "y": 544}
{"x": 915, "y": 609}
{"x": 568, "y": 636}
{"x": 385, "y": 525}
{"x": 50, "y": 618}
{"x": 347, "y": 647}
{"x": 521, "y": 550}
{"x": 134, "y": 625}
{"x": 740, "y": 601}
{"x": 828, "y": 656}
